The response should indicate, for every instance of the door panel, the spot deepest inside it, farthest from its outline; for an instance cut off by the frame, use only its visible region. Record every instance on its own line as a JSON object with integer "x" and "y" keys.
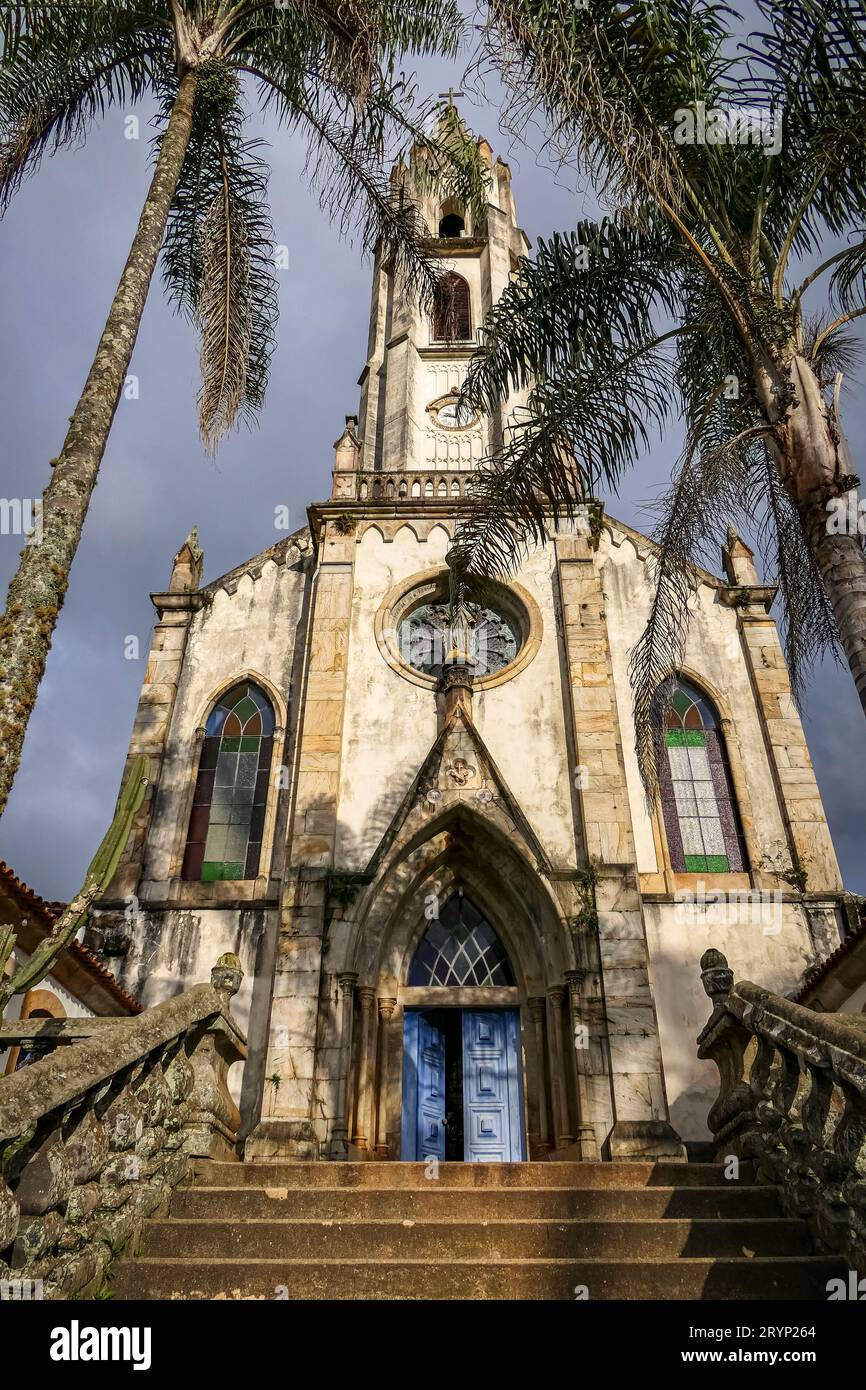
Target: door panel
{"x": 492, "y": 1101}
{"x": 423, "y": 1128}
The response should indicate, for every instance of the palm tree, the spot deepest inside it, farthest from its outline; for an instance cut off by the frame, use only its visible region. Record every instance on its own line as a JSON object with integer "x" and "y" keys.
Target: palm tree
{"x": 685, "y": 302}
{"x": 328, "y": 70}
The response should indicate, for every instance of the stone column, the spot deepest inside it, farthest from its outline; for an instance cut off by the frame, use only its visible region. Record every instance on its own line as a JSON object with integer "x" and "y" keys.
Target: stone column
{"x": 558, "y": 1064}
{"x": 799, "y": 797}
{"x": 386, "y": 1009}
{"x": 580, "y": 1055}
{"x": 641, "y": 1128}
{"x": 340, "y": 1132}
{"x": 175, "y": 609}
{"x": 347, "y": 462}
{"x": 536, "y": 1013}
{"x": 363, "y": 1135}
{"x": 296, "y": 1128}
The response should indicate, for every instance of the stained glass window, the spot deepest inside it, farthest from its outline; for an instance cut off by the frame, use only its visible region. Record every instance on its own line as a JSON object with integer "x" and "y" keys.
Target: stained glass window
{"x": 460, "y": 948}
{"x": 452, "y": 319}
{"x": 700, "y": 811}
{"x": 228, "y": 813}
{"x": 423, "y": 637}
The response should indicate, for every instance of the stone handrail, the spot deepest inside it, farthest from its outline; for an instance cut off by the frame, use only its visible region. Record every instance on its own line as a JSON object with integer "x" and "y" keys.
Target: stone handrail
{"x": 94, "y": 1136}
{"x": 792, "y": 1099}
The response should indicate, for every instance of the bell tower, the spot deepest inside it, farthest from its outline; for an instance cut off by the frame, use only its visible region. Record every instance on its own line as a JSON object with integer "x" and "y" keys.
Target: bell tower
{"x": 408, "y": 441}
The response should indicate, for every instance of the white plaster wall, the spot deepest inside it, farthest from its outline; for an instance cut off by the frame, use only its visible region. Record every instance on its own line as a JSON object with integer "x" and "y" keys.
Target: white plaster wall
{"x": 713, "y": 650}
{"x": 390, "y": 723}
{"x": 172, "y": 950}
{"x": 253, "y": 631}
{"x": 74, "y": 1008}
{"x": 772, "y": 953}
{"x": 855, "y": 1003}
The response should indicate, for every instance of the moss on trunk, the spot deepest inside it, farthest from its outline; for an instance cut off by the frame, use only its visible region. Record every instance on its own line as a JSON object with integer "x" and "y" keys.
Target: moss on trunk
{"x": 37, "y": 591}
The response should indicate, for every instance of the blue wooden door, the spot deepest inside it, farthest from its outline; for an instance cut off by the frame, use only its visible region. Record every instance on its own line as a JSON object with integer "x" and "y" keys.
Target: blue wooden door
{"x": 492, "y": 1096}
{"x": 423, "y": 1122}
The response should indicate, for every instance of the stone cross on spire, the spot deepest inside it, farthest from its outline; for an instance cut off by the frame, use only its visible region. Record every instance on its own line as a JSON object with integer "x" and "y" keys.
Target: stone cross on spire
{"x": 451, "y": 94}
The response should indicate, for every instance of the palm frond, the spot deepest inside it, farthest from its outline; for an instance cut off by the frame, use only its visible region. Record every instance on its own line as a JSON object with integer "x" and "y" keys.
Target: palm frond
{"x": 584, "y": 294}
{"x": 606, "y": 80}
{"x": 848, "y": 281}
{"x": 223, "y": 313}
{"x": 706, "y": 494}
{"x": 808, "y": 61}
{"x": 218, "y": 257}
{"x": 806, "y": 617}
{"x": 840, "y": 350}
{"x": 67, "y": 64}
{"x": 582, "y": 426}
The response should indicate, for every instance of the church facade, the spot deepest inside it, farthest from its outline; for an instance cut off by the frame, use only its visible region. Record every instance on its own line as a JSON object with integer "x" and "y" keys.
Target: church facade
{"x": 464, "y": 932}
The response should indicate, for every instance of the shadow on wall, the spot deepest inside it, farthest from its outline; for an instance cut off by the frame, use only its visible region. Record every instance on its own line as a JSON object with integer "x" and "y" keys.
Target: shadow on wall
{"x": 683, "y": 1009}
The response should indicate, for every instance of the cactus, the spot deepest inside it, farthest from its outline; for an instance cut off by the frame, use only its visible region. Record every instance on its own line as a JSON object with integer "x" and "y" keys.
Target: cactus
{"x": 96, "y": 880}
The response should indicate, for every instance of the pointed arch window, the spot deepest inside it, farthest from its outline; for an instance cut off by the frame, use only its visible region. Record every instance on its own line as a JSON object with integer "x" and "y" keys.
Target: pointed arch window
{"x": 459, "y": 949}
{"x": 700, "y": 810}
{"x": 451, "y": 225}
{"x": 452, "y": 318}
{"x": 231, "y": 792}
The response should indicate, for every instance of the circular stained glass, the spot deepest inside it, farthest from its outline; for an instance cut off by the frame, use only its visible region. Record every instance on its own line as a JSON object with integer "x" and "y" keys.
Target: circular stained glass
{"x": 424, "y": 638}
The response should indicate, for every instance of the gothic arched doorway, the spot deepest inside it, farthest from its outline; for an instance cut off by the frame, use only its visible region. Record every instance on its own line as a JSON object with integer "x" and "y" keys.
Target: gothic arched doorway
{"x": 462, "y": 1064}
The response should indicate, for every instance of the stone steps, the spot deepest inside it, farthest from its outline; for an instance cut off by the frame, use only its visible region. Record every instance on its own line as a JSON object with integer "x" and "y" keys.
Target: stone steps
{"x": 433, "y": 1202}
{"x": 477, "y": 1239}
{"x": 793, "y": 1279}
{"x": 315, "y": 1231}
{"x": 577, "y": 1176}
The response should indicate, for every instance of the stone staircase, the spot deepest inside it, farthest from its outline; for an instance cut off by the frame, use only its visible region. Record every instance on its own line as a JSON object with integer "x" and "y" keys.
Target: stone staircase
{"x": 477, "y": 1231}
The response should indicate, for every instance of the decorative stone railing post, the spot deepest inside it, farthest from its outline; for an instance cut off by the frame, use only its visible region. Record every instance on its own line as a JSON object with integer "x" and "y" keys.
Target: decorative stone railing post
{"x": 792, "y": 1099}
{"x": 732, "y": 1116}
{"x": 211, "y": 1131}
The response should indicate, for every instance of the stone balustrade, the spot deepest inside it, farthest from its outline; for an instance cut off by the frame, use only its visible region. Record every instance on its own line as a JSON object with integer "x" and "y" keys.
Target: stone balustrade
{"x": 793, "y": 1100}
{"x": 432, "y": 485}
{"x": 94, "y": 1135}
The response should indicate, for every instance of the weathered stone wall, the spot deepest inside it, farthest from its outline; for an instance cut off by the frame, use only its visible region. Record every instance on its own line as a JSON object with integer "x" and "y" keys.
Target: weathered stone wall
{"x": 391, "y": 724}
{"x": 252, "y": 626}
{"x": 776, "y": 952}
{"x": 774, "y": 938}
{"x": 94, "y": 1136}
{"x": 250, "y": 623}
{"x": 167, "y": 948}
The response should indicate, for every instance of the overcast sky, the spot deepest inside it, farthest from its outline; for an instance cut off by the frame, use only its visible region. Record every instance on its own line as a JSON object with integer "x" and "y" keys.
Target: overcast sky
{"x": 62, "y": 247}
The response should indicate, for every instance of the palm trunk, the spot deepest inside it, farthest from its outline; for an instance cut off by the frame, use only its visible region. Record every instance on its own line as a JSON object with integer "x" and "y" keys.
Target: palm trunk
{"x": 842, "y": 563}
{"x": 37, "y": 591}
{"x": 815, "y": 468}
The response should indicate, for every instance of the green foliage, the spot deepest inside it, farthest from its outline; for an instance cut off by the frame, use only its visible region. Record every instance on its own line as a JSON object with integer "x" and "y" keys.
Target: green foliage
{"x": 327, "y": 71}
{"x": 679, "y": 305}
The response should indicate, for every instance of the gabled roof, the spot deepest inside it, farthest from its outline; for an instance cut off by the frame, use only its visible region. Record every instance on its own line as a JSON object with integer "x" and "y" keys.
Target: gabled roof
{"x": 76, "y": 969}
{"x": 447, "y": 779}
{"x": 828, "y": 984}
{"x": 279, "y": 553}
